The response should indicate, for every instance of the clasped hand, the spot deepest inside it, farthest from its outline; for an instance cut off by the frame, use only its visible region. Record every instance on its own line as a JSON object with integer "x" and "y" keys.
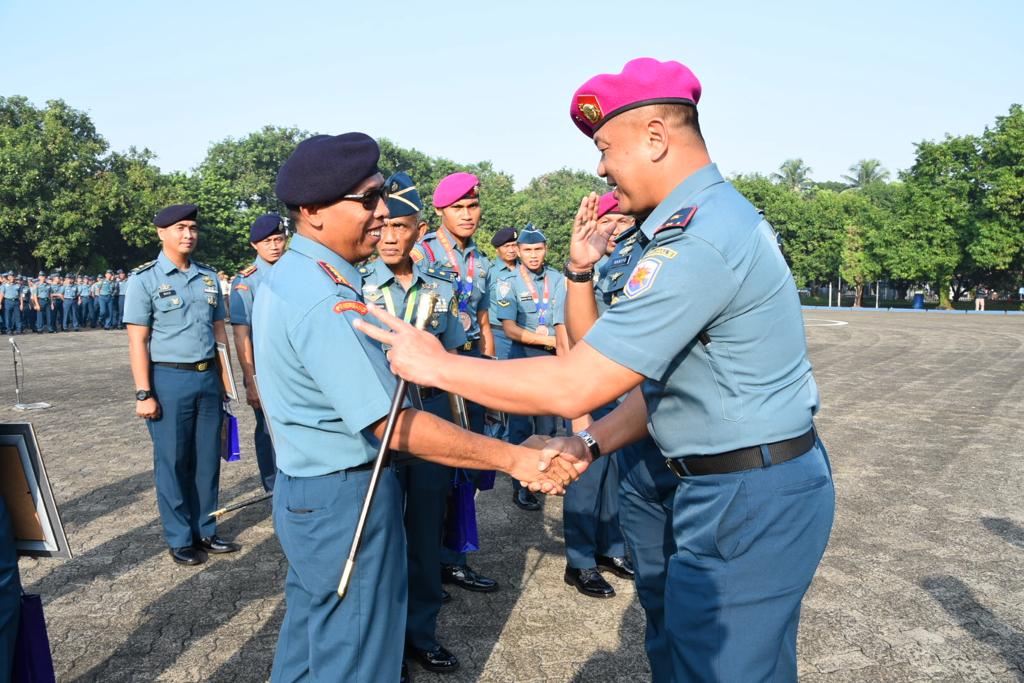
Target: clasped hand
{"x": 553, "y": 464}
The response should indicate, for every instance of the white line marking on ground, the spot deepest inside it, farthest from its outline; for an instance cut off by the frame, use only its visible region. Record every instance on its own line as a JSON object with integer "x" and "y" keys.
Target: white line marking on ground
{"x": 821, "y": 322}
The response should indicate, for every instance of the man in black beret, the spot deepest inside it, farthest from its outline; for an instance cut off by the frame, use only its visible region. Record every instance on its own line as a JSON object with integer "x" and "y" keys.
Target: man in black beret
{"x": 327, "y": 391}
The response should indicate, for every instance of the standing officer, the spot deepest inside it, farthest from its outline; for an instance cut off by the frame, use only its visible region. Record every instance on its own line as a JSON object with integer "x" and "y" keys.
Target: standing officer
{"x": 395, "y": 283}
{"x": 174, "y": 308}
{"x": 708, "y": 340}
{"x": 11, "y": 291}
{"x": 105, "y": 296}
{"x": 504, "y": 243}
{"x": 28, "y": 316}
{"x": 120, "y": 288}
{"x": 41, "y": 304}
{"x": 327, "y": 392}
{"x": 452, "y": 248}
{"x": 70, "y": 293}
{"x": 56, "y": 302}
{"x": 266, "y": 236}
{"x": 646, "y": 486}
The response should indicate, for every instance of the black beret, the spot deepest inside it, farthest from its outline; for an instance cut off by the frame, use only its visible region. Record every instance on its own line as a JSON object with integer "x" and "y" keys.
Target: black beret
{"x": 265, "y": 226}
{"x": 324, "y": 168}
{"x": 503, "y": 236}
{"x": 174, "y": 213}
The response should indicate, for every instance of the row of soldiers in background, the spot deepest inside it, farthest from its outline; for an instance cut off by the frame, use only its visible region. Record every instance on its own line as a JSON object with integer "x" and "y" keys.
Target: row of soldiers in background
{"x": 52, "y": 303}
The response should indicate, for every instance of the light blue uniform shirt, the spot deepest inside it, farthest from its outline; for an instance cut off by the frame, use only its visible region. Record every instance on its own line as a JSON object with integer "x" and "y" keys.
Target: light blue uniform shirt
{"x": 83, "y": 291}
{"x": 433, "y": 252}
{"x": 106, "y": 288}
{"x": 613, "y": 271}
{"x": 179, "y": 308}
{"x": 11, "y": 290}
{"x": 41, "y": 291}
{"x": 243, "y": 290}
{"x": 70, "y": 292}
{"x": 722, "y": 275}
{"x": 379, "y": 284}
{"x": 321, "y": 382}
{"x": 519, "y": 305}
{"x": 499, "y": 273}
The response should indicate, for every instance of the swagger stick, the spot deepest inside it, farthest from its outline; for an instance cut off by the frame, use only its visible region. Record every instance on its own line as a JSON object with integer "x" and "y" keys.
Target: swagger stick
{"x": 423, "y": 313}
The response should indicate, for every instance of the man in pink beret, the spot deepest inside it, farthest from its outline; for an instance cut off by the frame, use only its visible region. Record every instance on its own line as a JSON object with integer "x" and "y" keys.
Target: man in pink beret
{"x": 708, "y": 341}
{"x": 451, "y": 250}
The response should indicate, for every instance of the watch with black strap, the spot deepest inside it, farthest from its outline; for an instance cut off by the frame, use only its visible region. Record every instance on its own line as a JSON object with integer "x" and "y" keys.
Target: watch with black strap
{"x": 574, "y": 276}
{"x": 143, "y": 394}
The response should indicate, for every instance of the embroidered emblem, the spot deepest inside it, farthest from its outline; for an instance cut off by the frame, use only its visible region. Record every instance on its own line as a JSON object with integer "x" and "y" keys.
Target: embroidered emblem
{"x": 176, "y": 301}
{"x": 166, "y": 288}
{"x": 616, "y": 275}
{"x": 625, "y": 250}
{"x": 590, "y": 108}
{"x": 416, "y": 255}
{"x": 247, "y": 271}
{"x": 642, "y": 277}
{"x": 241, "y": 288}
{"x": 357, "y": 306}
{"x": 663, "y": 251}
{"x": 504, "y": 289}
{"x": 208, "y": 280}
{"x": 503, "y": 303}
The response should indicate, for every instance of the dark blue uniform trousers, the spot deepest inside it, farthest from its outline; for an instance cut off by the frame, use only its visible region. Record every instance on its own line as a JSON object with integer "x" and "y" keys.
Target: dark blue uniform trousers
{"x": 425, "y": 486}
{"x": 748, "y": 544}
{"x": 44, "y": 323}
{"x": 264, "y": 451}
{"x": 590, "y": 513}
{"x": 70, "y": 315}
{"x": 10, "y": 595}
{"x": 186, "y": 451}
{"x": 12, "y": 315}
{"x": 120, "y": 310}
{"x": 358, "y": 639}
{"x": 646, "y": 490}
{"x": 476, "y": 425}
{"x": 106, "y": 315}
{"x": 57, "y": 314}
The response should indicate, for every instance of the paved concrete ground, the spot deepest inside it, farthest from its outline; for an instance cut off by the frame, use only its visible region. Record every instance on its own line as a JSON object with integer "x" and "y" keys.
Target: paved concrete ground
{"x": 922, "y": 581}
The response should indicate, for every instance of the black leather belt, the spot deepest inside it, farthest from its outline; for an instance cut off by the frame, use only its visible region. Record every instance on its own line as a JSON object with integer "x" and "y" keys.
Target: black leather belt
{"x": 741, "y": 459}
{"x": 201, "y": 366}
{"x": 427, "y": 393}
{"x": 369, "y": 465}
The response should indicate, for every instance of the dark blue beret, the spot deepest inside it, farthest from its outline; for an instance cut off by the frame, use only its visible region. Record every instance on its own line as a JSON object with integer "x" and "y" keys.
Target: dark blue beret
{"x": 531, "y": 235}
{"x": 174, "y": 213}
{"x": 403, "y": 198}
{"x": 503, "y": 236}
{"x": 42, "y": 274}
{"x": 120, "y": 272}
{"x": 265, "y": 226}
{"x": 324, "y": 168}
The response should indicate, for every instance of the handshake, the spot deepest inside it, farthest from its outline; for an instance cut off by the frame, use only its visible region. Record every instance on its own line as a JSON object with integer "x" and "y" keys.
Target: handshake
{"x": 549, "y": 464}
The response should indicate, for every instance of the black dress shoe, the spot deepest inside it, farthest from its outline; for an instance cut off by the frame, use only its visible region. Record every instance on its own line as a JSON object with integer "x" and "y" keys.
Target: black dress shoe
{"x": 446, "y": 597}
{"x": 216, "y": 545}
{"x": 525, "y": 500}
{"x": 620, "y": 566}
{"x": 405, "y": 673}
{"x": 466, "y": 578}
{"x": 188, "y": 555}
{"x": 438, "y": 660}
{"x": 589, "y": 582}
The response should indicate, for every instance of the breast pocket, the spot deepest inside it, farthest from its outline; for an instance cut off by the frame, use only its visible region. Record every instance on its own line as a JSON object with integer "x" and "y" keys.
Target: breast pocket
{"x": 171, "y": 307}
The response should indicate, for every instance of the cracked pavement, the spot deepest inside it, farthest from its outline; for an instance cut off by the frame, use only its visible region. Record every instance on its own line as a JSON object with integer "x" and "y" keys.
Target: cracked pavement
{"x": 923, "y": 579}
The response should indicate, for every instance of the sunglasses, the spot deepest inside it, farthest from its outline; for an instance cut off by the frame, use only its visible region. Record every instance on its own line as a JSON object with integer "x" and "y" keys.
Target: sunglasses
{"x": 370, "y": 198}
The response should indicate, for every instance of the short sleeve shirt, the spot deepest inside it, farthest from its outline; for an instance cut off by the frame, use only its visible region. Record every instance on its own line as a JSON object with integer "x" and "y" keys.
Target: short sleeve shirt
{"x": 179, "y": 307}
{"x": 499, "y": 288}
{"x": 471, "y": 269}
{"x": 525, "y": 301}
{"x": 243, "y": 291}
{"x": 613, "y": 271}
{"x": 323, "y": 383}
{"x": 711, "y": 318}
{"x": 380, "y": 288}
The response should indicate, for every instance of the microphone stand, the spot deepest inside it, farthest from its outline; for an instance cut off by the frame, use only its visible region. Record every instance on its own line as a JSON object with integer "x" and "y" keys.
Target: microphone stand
{"x": 16, "y": 352}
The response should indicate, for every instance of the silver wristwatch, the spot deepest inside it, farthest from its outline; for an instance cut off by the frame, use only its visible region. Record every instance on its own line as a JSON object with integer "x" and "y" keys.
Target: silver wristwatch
{"x": 591, "y": 442}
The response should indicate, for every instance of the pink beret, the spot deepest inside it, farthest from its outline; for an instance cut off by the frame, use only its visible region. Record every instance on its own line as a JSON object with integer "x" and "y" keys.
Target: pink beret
{"x": 642, "y": 81}
{"x": 607, "y": 204}
{"x": 454, "y": 187}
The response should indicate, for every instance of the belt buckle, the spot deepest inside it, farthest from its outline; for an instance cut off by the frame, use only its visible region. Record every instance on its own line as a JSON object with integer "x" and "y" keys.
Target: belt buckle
{"x": 468, "y": 346}
{"x": 202, "y": 365}
{"x": 675, "y": 467}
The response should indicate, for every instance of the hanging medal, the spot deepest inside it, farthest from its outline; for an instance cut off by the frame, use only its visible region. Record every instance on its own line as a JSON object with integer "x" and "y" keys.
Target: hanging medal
{"x": 465, "y": 285}
{"x": 543, "y": 304}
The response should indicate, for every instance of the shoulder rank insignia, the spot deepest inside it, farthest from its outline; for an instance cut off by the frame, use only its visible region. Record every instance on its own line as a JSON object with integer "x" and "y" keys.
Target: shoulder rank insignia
{"x": 333, "y": 273}
{"x": 246, "y": 272}
{"x": 204, "y": 266}
{"x": 144, "y": 266}
{"x": 680, "y": 219}
{"x": 416, "y": 254}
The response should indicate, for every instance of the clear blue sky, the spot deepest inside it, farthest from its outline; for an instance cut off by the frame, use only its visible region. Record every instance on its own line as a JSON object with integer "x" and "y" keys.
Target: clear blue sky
{"x": 828, "y": 82}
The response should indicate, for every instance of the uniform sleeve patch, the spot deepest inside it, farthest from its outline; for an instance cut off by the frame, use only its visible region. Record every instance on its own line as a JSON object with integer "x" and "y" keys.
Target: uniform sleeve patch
{"x": 357, "y": 306}
{"x": 642, "y": 278}
{"x": 247, "y": 271}
{"x": 416, "y": 255}
{"x": 241, "y": 288}
{"x": 663, "y": 251}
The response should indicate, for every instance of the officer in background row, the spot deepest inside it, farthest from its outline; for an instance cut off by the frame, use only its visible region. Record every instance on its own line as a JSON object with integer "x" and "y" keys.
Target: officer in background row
{"x": 327, "y": 391}
{"x": 56, "y": 302}
{"x": 395, "y": 283}
{"x": 452, "y": 248}
{"x": 28, "y": 314}
{"x": 105, "y": 297}
{"x": 175, "y": 317}
{"x": 70, "y": 293}
{"x": 11, "y": 291}
{"x": 267, "y": 238}
{"x": 41, "y": 304}
{"x": 120, "y": 290}
{"x": 646, "y": 486}
{"x": 504, "y": 243}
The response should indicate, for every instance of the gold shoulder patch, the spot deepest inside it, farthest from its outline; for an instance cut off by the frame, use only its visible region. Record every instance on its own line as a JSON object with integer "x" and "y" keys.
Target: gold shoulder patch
{"x": 662, "y": 251}
{"x": 246, "y": 272}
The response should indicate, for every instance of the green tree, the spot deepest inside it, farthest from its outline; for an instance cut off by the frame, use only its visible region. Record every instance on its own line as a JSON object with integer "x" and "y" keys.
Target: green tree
{"x": 794, "y": 175}
{"x": 864, "y": 173}
{"x": 550, "y": 202}
{"x": 861, "y": 262}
